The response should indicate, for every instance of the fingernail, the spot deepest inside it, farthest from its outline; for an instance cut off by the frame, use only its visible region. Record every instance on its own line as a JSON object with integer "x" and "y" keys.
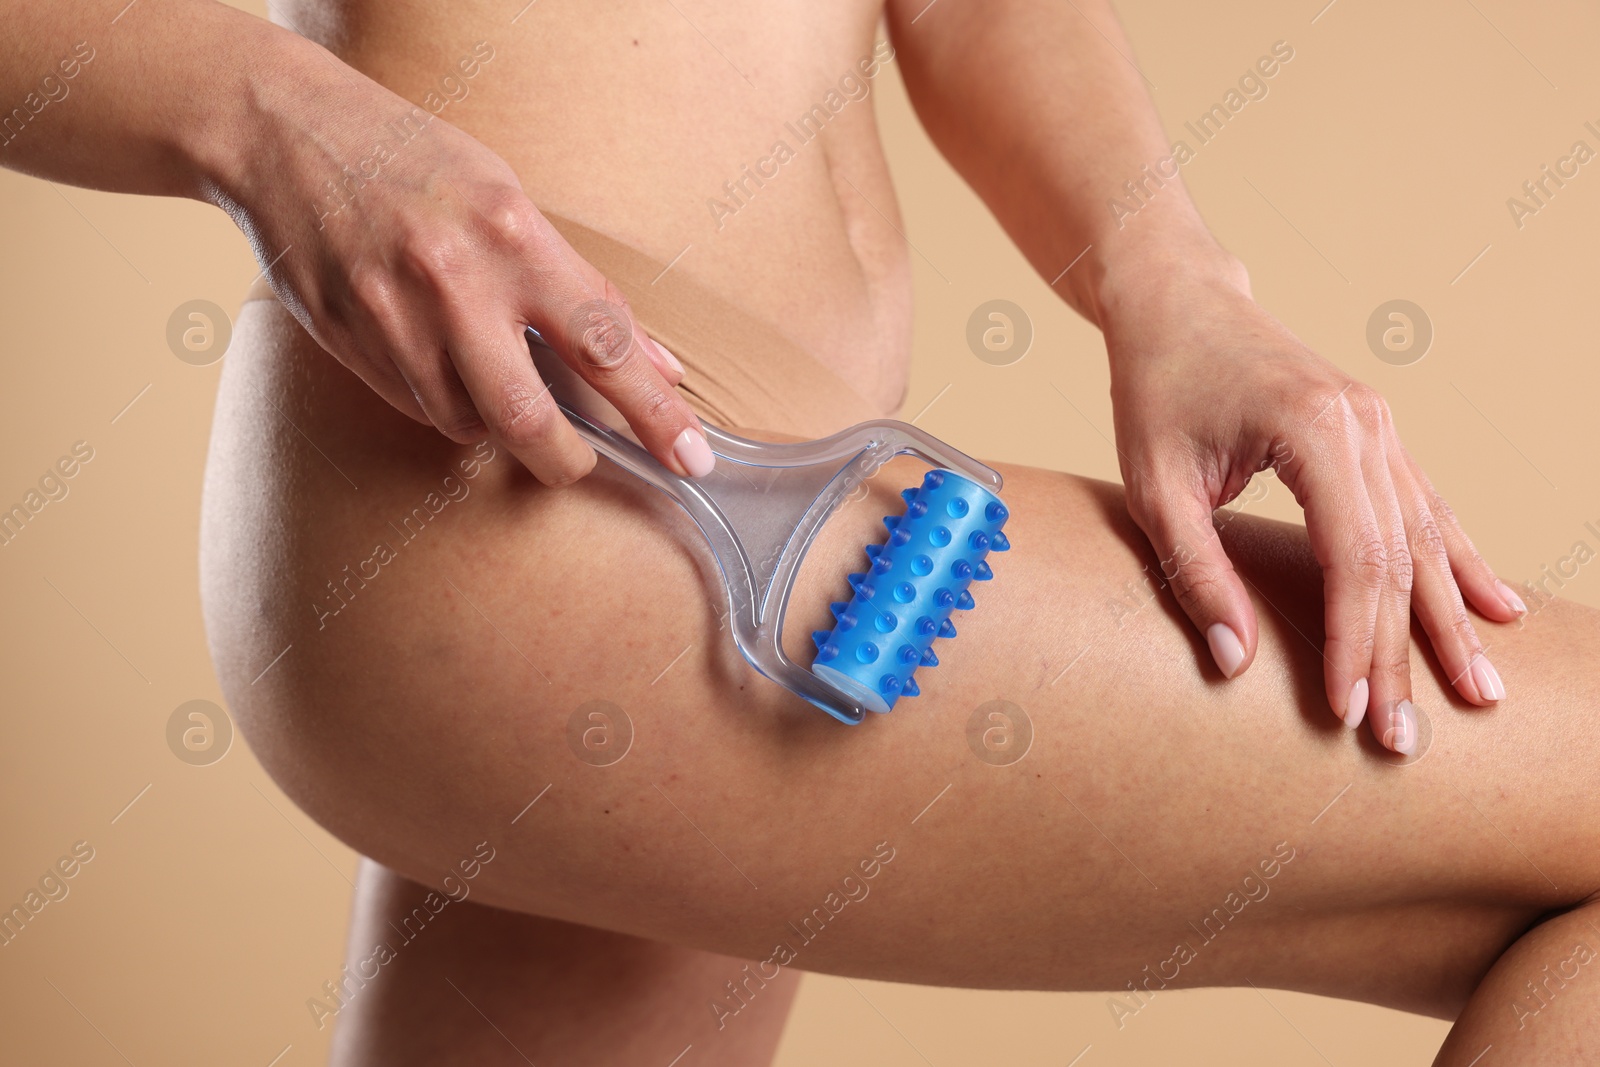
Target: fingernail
{"x": 1402, "y": 733}
{"x": 1355, "y": 708}
{"x": 1513, "y": 601}
{"x": 1487, "y": 679}
{"x": 692, "y": 453}
{"x": 672, "y": 360}
{"x": 1225, "y": 648}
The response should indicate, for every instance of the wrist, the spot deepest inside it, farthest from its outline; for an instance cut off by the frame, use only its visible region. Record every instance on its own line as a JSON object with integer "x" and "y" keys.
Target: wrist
{"x": 232, "y": 147}
{"x": 1149, "y": 261}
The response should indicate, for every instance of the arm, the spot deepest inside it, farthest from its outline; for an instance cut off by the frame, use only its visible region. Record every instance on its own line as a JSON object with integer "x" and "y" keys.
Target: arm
{"x": 1043, "y": 112}
{"x": 424, "y": 289}
{"x": 1039, "y": 106}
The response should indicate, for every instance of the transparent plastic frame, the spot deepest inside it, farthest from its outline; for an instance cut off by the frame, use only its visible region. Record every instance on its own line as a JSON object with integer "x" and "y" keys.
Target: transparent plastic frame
{"x": 760, "y": 509}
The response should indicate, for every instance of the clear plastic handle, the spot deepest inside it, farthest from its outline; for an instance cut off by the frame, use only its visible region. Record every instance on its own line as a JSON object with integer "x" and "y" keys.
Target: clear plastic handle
{"x": 762, "y": 507}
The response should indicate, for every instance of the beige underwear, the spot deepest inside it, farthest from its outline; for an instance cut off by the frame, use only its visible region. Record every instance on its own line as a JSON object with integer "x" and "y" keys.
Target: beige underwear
{"x": 738, "y": 371}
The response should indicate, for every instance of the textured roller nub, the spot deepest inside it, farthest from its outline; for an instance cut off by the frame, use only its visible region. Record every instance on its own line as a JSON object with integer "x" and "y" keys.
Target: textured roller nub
{"x": 912, "y": 583}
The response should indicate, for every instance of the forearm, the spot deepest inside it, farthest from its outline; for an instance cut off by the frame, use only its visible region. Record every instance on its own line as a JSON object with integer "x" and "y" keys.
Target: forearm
{"x": 146, "y": 98}
{"x": 1039, "y": 106}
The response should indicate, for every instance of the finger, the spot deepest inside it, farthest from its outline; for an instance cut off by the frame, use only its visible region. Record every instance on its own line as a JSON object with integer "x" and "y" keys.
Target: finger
{"x": 517, "y": 406}
{"x": 1325, "y": 477}
{"x": 377, "y": 369}
{"x": 385, "y": 379}
{"x": 1476, "y": 579}
{"x": 1437, "y": 600}
{"x": 585, "y": 319}
{"x": 1177, "y": 519}
{"x": 597, "y": 339}
{"x": 444, "y": 398}
{"x": 1390, "y": 679}
{"x": 660, "y": 356}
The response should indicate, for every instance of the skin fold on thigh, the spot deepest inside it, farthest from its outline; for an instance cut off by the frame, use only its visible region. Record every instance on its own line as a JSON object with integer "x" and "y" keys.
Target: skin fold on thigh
{"x": 1162, "y": 827}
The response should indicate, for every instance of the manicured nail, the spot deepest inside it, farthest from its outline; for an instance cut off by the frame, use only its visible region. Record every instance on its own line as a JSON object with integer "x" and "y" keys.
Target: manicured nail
{"x": 1225, "y": 648}
{"x": 692, "y": 453}
{"x": 1487, "y": 679}
{"x": 1402, "y": 733}
{"x": 1513, "y": 601}
{"x": 672, "y": 360}
{"x": 1355, "y": 708}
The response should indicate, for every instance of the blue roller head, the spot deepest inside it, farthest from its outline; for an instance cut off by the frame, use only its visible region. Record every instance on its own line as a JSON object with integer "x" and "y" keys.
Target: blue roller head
{"x": 916, "y": 579}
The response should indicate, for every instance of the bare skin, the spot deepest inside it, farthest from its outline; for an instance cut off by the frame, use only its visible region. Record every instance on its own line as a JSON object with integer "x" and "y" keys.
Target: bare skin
{"x": 549, "y": 991}
{"x": 427, "y": 714}
{"x": 423, "y": 718}
{"x": 417, "y": 256}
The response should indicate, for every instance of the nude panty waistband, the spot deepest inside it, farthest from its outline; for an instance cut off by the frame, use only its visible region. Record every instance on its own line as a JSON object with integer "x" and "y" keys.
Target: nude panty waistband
{"x": 738, "y": 371}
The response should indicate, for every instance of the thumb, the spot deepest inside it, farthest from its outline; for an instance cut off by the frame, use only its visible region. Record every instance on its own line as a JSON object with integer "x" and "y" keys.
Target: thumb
{"x": 1177, "y": 520}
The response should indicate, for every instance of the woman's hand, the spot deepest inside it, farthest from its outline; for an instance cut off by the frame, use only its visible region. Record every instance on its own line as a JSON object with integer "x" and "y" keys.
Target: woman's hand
{"x": 1208, "y": 390}
{"x": 409, "y": 251}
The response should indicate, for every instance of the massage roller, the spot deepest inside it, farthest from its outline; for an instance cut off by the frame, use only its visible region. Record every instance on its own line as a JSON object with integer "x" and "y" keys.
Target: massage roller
{"x": 763, "y": 505}
{"x": 914, "y": 581}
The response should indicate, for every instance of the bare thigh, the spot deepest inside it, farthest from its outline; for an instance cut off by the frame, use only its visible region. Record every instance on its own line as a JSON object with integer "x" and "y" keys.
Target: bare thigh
{"x": 1162, "y": 821}
{"x": 443, "y": 979}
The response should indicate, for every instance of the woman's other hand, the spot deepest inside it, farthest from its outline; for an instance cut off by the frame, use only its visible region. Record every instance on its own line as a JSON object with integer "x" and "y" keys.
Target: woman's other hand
{"x": 1209, "y": 390}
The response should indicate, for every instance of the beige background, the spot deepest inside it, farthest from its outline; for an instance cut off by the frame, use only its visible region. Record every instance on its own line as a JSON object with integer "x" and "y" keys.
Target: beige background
{"x": 1377, "y": 167}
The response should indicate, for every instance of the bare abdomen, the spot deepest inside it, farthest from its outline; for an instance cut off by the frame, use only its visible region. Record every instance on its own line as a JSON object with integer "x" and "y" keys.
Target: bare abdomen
{"x": 736, "y": 142}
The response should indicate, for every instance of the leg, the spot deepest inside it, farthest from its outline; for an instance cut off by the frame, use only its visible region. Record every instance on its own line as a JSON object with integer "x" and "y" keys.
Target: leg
{"x": 467, "y": 983}
{"x": 1539, "y": 1003}
{"x": 1129, "y": 849}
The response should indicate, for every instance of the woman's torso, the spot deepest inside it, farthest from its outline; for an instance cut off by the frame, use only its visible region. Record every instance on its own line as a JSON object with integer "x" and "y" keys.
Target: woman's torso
{"x": 655, "y": 123}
